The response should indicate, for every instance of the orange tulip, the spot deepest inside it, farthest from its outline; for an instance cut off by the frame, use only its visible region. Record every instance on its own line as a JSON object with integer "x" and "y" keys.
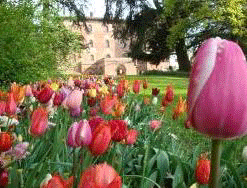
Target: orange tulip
{"x": 118, "y": 109}
{"x": 169, "y": 96}
{"x": 18, "y": 92}
{"x": 180, "y": 108}
{"x": 100, "y": 176}
{"x": 39, "y": 122}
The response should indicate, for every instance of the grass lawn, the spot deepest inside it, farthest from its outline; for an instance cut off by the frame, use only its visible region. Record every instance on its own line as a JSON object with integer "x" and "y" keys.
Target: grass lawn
{"x": 189, "y": 137}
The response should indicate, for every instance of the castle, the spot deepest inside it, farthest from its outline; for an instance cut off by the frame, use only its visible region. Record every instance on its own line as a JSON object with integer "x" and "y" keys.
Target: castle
{"x": 105, "y": 55}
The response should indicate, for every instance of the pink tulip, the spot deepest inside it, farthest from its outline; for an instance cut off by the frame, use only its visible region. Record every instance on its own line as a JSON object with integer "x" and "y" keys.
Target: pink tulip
{"x": 79, "y": 134}
{"x": 155, "y": 124}
{"x": 58, "y": 99}
{"x": 28, "y": 91}
{"x": 10, "y": 107}
{"x": 74, "y": 99}
{"x": 218, "y": 88}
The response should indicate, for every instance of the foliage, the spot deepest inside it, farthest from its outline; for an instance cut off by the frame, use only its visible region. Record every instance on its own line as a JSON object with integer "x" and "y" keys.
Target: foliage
{"x": 31, "y": 44}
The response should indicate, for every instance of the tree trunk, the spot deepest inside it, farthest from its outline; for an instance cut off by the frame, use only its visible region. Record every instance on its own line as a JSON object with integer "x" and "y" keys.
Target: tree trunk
{"x": 182, "y": 56}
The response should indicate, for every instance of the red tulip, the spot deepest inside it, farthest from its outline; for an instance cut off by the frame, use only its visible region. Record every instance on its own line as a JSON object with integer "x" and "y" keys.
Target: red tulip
{"x": 217, "y": 91}
{"x": 4, "y": 178}
{"x": 120, "y": 90}
{"x": 145, "y": 84}
{"x": 6, "y": 141}
{"x": 202, "y": 170}
{"x": 118, "y": 129}
{"x": 101, "y": 140}
{"x": 91, "y": 101}
{"x": 58, "y": 182}
{"x": 95, "y": 121}
{"x": 100, "y": 176}
{"x": 2, "y": 107}
{"x": 10, "y": 107}
{"x": 39, "y": 122}
{"x": 131, "y": 136}
{"x": 136, "y": 86}
{"x": 45, "y": 94}
{"x": 155, "y": 91}
{"x": 58, "y": 99}
{"x": 169, "y": 96}
{"x": 107, "y": 104}
{"x": 93, "y": 111}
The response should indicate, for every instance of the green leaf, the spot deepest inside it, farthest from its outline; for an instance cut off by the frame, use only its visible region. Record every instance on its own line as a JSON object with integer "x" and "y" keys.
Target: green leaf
{"x": 178, "y": 176}
{"x": 149, "y": 184}
{"x": 163, "y": 163}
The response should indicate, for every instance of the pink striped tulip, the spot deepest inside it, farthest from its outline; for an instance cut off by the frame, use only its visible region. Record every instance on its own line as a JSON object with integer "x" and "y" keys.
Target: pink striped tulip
{"x": 79, "y": 134}
{"x": 217, "y": 91}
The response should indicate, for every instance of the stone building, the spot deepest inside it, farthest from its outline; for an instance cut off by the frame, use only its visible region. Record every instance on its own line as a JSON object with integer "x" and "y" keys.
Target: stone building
{"x": 104, "y": 55}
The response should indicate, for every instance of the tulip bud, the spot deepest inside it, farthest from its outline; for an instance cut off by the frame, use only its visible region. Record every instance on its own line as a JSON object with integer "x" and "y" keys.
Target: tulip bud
{"x": 202, "y": 171}
{"x": 101, "y": 175}
{"x": 217, "y": 91}
{"x": 29, "y": 91}
{"x": 45, "y": 95}
{"x": 155, "y": 124}
{"x": 39, "y": 122}
{"x": 6, "y": 141}
{"x": 10, "y": 107}
{"x": 74, "y": 99}
{"x": 145, "y": 84}
{"x": 101, "y": 140}
{"x": 136, "y": 86}
{"x": 155, "y": 100}
{"x": 92, "y": 93}
{"x": 79, "y": 134}
{"x": 131, "y": 136}
{"x": 2, "y": 107}
{"x": 4, "y": 178}
{"x": 118, "y": 129}
{"x": 155, "y": 91}
{"x": 58, "y": 99}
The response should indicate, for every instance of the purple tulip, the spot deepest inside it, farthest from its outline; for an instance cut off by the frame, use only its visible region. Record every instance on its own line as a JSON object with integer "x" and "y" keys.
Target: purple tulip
{"x": 79, "y": 134}
{"x": 19, "y": 151}
{"x": 75, "y": 112}
{"x": 217, "y": 92}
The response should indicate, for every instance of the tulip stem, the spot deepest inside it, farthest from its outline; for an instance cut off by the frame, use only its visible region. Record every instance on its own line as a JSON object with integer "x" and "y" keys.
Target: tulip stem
{"x": 214, "y": 180}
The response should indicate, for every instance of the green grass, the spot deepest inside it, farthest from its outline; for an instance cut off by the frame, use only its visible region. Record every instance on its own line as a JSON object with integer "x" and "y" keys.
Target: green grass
{"x": 189, "y": 138}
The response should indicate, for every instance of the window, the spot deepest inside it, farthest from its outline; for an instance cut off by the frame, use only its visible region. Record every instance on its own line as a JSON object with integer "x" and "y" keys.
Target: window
{"x": 107, "y": 44}
{"x": 92, "y": 57}
{"x": 108, "y": 56}
{"x": 90, "y": 44}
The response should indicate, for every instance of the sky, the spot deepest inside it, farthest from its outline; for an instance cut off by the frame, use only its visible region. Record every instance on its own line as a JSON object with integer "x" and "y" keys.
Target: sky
{"x": 98, "y": 7}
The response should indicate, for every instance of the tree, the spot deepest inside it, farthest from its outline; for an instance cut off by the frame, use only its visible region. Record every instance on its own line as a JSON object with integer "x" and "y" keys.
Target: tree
{"x": 183, "y": 25}
{"x": 31, "y": 45}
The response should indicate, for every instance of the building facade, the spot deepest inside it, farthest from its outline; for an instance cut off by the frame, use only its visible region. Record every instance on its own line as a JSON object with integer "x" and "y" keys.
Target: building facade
{"x": 105, "y": 55}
